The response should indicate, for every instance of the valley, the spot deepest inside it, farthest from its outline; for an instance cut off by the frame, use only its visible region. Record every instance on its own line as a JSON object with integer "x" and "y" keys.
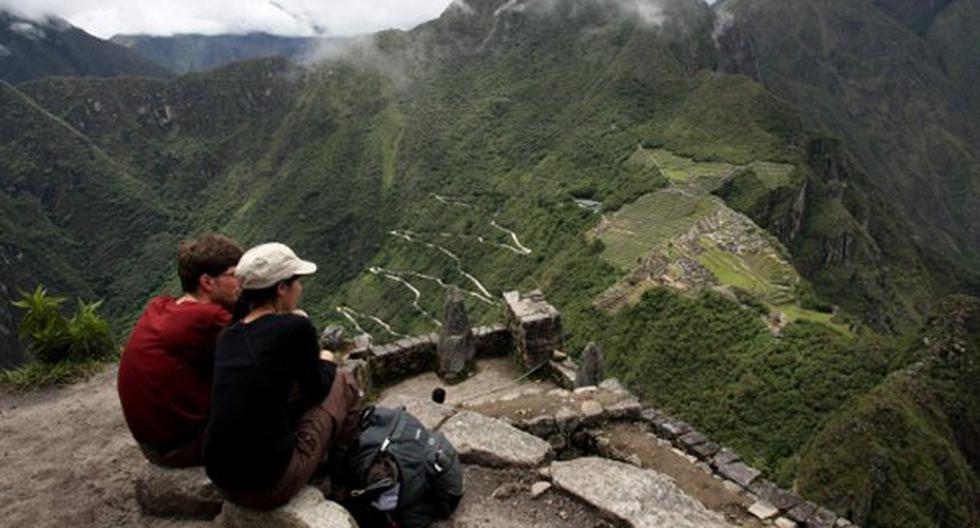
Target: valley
{"x": 746, "y": 220}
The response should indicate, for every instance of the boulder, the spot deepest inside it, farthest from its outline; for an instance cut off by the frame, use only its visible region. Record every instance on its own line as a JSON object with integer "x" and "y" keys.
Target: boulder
{"x": 636, "y": 497}
{"x": 490, "y": 442}
{"x": 308, "y": 509}
{"x": 182, "y": 493}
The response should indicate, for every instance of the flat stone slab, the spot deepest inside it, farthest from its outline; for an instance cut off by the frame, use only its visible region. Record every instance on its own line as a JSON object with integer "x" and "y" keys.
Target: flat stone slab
{"x": 739, "y": 473}
{"x": 638, "y": 497}
{"x": 182, "y": 493}
{"x": 430, "y": 413}
{"x": 490, "y": 442}
{"x": 308, "y": 509}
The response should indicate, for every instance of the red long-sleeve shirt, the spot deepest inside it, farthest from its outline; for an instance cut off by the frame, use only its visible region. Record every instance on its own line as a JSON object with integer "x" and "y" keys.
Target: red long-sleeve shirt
{"x": 165, "y": 371}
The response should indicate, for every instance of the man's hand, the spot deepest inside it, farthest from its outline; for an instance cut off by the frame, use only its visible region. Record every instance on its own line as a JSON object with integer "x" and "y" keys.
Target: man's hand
{"x": 327, "y": 355}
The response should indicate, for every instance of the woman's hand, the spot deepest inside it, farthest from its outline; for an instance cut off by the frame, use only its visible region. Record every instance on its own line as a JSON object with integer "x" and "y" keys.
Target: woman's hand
{"x": 327, "y": 355}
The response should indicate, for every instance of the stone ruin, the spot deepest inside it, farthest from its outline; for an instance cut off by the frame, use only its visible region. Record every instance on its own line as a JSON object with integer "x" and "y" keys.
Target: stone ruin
{"x": 557, "y": 436}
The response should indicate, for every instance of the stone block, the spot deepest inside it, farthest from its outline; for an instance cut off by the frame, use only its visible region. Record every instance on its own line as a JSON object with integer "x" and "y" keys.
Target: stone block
{"x": 540, "y": 426}
{"x": 763, "y": 510}
{"x": 724, "y": 457}
{"x": 562, "y": 373}
{"x": 783, "y": 522}
{"x": 802, "y": 511}
{"x": 181, "y": 493}
{"x": 628, "y": 409}
{"x": 691, "y": 439}
{"x": 308, "y": 509}
{"x": 632, "y": 496}
{"x": 773, "y": 494}
{"x": 739, "y": 473}
{"x": 567, "y": 420}
{"x": 706, "y": 450}
{"x": 539, "y": 488}
{"x": 613, "y": 385}
{"x": 591, "y": 412}
{"x": 490, "y": 442}
{"x": 822, "y": 518}
{"x": 672, "y": 429}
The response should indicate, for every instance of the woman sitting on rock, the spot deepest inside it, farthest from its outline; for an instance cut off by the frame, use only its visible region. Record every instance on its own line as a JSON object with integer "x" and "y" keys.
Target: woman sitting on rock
{"x": 278, "y": 404}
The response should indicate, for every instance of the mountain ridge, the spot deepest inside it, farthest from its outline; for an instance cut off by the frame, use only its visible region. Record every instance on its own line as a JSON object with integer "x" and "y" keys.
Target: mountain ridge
{"x": 32, "y": 49}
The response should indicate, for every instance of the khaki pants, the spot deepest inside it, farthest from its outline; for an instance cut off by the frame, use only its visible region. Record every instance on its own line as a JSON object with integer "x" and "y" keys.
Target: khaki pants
{"x": 332, "y": 424}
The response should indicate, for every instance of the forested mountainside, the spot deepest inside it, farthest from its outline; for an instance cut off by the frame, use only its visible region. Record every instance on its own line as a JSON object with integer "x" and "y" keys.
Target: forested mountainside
{"x": 32, "y": 49}
{"x": 894, "y": 81}
{"x": 183, "y": 53}
{"x": 681, "y": 188}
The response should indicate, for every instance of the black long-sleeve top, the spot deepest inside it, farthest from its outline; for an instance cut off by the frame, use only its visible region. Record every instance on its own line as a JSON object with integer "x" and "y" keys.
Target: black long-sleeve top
{"x": 258, "y": 367}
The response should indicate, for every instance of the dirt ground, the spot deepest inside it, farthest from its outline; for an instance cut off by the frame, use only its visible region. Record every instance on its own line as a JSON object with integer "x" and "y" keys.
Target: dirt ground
{"x": 67, "y": 459}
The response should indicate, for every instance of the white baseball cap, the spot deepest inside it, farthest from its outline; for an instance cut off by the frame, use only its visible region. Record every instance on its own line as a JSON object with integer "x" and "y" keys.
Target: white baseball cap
{"x": 266, "y": 264}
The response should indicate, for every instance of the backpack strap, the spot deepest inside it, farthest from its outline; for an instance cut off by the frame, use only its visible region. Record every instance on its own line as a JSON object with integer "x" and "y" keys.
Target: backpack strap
{"x": 397, "y": 425}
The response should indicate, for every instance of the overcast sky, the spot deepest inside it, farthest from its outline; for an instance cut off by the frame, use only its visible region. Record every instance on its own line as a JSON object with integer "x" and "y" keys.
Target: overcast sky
{"x": 105, "y": 18}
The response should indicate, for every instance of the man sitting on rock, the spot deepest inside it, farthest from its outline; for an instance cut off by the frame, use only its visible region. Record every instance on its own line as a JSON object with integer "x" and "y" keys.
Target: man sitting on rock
{"x": 166, "y": 368}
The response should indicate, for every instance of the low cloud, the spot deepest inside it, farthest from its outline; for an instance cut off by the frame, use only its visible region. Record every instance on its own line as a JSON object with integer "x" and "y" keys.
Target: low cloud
{"x": 105, "y": 18}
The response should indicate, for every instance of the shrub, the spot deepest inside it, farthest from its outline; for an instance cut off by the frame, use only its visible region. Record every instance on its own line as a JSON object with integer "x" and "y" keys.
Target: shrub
{"x": 52, "y": 338}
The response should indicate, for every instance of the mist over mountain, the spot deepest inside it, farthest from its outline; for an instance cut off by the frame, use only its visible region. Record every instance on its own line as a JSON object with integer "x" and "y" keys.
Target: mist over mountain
{"x": 32, "y": 49}
{"x": 185, "y": 53}
{"x": 757, "y": 208}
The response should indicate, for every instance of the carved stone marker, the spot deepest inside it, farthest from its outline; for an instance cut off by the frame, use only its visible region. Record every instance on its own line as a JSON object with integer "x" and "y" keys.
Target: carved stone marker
{"x": 457, "y": 348}
{"x": 590, "y": 370}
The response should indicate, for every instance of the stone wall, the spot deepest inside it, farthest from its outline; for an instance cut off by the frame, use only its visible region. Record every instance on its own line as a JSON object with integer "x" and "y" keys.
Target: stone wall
{"x": 411, "y": 356}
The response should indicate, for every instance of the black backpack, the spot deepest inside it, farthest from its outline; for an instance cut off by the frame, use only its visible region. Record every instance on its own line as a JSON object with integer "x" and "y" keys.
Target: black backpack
{"x": 394, "y": 448}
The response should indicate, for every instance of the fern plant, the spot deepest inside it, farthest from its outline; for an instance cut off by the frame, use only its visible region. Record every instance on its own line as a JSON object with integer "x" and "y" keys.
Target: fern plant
{"x": 53, "y": 338}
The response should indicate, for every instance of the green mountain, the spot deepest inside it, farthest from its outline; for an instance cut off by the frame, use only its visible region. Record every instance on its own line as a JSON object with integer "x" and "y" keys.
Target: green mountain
{"x": 32, "y": 49}
{"x": 877, "y": 76}
{"x": 183, "y": 53}
{"x": 741, "y": 255}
